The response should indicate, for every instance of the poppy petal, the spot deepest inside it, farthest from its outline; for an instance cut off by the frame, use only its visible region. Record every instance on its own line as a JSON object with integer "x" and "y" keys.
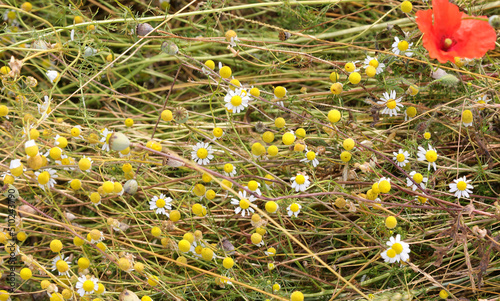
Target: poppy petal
{"x": 474, "y": 38}
{"x": 447, "y": 17}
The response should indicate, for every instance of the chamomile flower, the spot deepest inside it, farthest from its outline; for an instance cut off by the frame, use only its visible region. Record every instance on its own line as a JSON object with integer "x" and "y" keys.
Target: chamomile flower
{"x": 400, "y": 248}
{"x": 9, "y": 15}
{"x": 76, "y": 132}
{"x": 429, "y": 155}
{"x": 61, "y": 264}
{"x": 44, "y": 108}
{"x": 467, "y": 118}
{"x": 218, "y": 133}
{"x": 461, "y": 187}
{"x": 105, "y": 136}
{"x": 243, "y": 204}
{"x": 253, "y": 186}
{"x": 160, "y": 204}
{"x": 202, "y": 153}
{"x": 418, "y": 178}
{"x": 482, "y": 99}
{"x": 402, "y": 47}
{"x": 86, "y": 286}
{"x": 372, "y": 61}
{"x": 310, "y": 157}
{"x": 16, "y": 168}
{"x": 95, "y": 236}
{"x": 270, "y": 252}
{"x": 85, "y": 164}
{"x": 300, "y": 182}
{"x": 53, "y": 75}
{"x": 293, "y": 209}
{"x": 392, "y": 105}
{"x": 237, "y": 100}
{"x": 229, "y": 170}
{"x": 351, "y": 67}
{"x": 208, "y": 67}
{"x": 401, "y": 158}
{"x": 232, "y": 37}
{"x": 46, "y": 178}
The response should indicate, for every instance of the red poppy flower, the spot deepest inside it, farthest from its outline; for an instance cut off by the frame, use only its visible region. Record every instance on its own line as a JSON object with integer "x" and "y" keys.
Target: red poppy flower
{"x": 452, "y": 34}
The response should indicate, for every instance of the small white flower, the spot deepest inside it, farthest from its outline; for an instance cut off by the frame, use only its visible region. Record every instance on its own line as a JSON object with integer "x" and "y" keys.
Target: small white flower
{"x": 482, "y": 100}
{"x": 56, "y": 259}
{"x": 461, "y": 187}
{"x": 243, "y": 203}
{"x": 44, "y": 108}
{"x": 300, "y": 182}
{"x": 202, "y": 153}
{"x": 392, "y": 105}
{"x": 293, "y": 209}
{"x": 237, "y": 100}
{"x": 79, "y": 127}
{"x": 229, "y": 170}
{"x": 401, "y": 250}
{"x": 404, "y": 50}
{"x": 52, "y": 75}
{"x": 310, "y": 157}
{"x": 356, "y": 69}
{"x": 372, "y": 61}
{"x": 160, "y": 204}
{"x": 401, "y": 158}
{"x": 418, "y": 178}
{"x": 86, "y": 286}
{"x": 51, "y": 175}
{"x": 256, "y": 191}
{"x": 96, "y": 241}
{"x": 106, "y": 134}
{"x": 427, "y": 155}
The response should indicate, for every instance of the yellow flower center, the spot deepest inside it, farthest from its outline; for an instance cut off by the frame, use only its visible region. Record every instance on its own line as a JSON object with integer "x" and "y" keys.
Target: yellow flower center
{"x": 198, "y": 249}
{"x": 349, "y": 67}
{"x": 447, "y": 43}
{"x": 244, "y": 204}
{"x": 310, "y": 155}
{"x": 391, "y": 253}
{"x": 253, "y": 185}
{"x": 218, "y": 132}
{"x": 461, "y": 185}
{"x": 202, "y": 153}
{"x": 294, "y": 207}
{"x": 300, "y": 179}
{"x": 228, "y": 167}
{"x": 160, "y": 203}
{"x": 236, "y": 100}
{"x": 374, "y": 63}
{"x": 418, "y": 178}
{"x": 397, "y": 247}
{"x": 62, "y": 266}
{"x": 400, "y": 157}
{"x": 75, "y": 132}
{"x": 43, "y": 178}
{"x": 403, "y": 46}
{"x": 391, "y": 104}
{"x": 88, "y": 286}
{"x": 431, "y": 156}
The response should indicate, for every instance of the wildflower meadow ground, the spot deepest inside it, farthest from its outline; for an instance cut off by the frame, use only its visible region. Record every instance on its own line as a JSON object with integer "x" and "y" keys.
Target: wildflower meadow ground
{"x": 249, "y": 150}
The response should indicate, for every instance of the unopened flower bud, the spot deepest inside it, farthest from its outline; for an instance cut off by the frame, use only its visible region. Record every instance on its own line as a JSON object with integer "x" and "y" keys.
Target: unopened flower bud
{"x": 143, "y": 29}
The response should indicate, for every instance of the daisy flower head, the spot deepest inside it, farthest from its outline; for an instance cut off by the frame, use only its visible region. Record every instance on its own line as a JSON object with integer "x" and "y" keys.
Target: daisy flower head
{"x": 53, "y": 75}
{"x": 46, "y": 178}
{"x": 232, "y": 37}
{"x": 300, "y": 182}
{"x": 400, "y": 250}
{"x": 482, "y": 100}
{"x": 461, "y": 187}
{"x": 218, "y": 133}
{"x": 44, "y": 108}
{"x": 253, "y": 186}
{"x": 429, "y": 155}
{"x": 208, "y": 67}
{"x": 384, "y": 185}
{"x": 4, "y": 110}
{"x": 202, "y": 153}
{"x": 105, "y": 136}
{"x": 257, "y": 240}
{"x": 95, "y": 236}
{"x": 401, "y": 158}
{"x": 467, "y": 118}
{"x": 243, "y": 203}
{"x": 61, "y": 264}
{"x": 392, "y": 105}
{"x": 410, "y": 112}
{"x": 418, "y": 178}
{"x": 85, "y": 164}
{"x": 350, "y": 67}
{"x": 310, "y": 157}
{"x": 402, "y": 47}
{"x": 16, "y": 168}
{"x": 293, "y": 209}
{"x": 9, "y": 15}
{"x": 237, "y": 100}
{"x": 373, "y": 61}
{"x": 86, "y": 286}
{"x": 159, "y": 204}
{"x": 229, "y": 170}
{"x": 76, "y": 132}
